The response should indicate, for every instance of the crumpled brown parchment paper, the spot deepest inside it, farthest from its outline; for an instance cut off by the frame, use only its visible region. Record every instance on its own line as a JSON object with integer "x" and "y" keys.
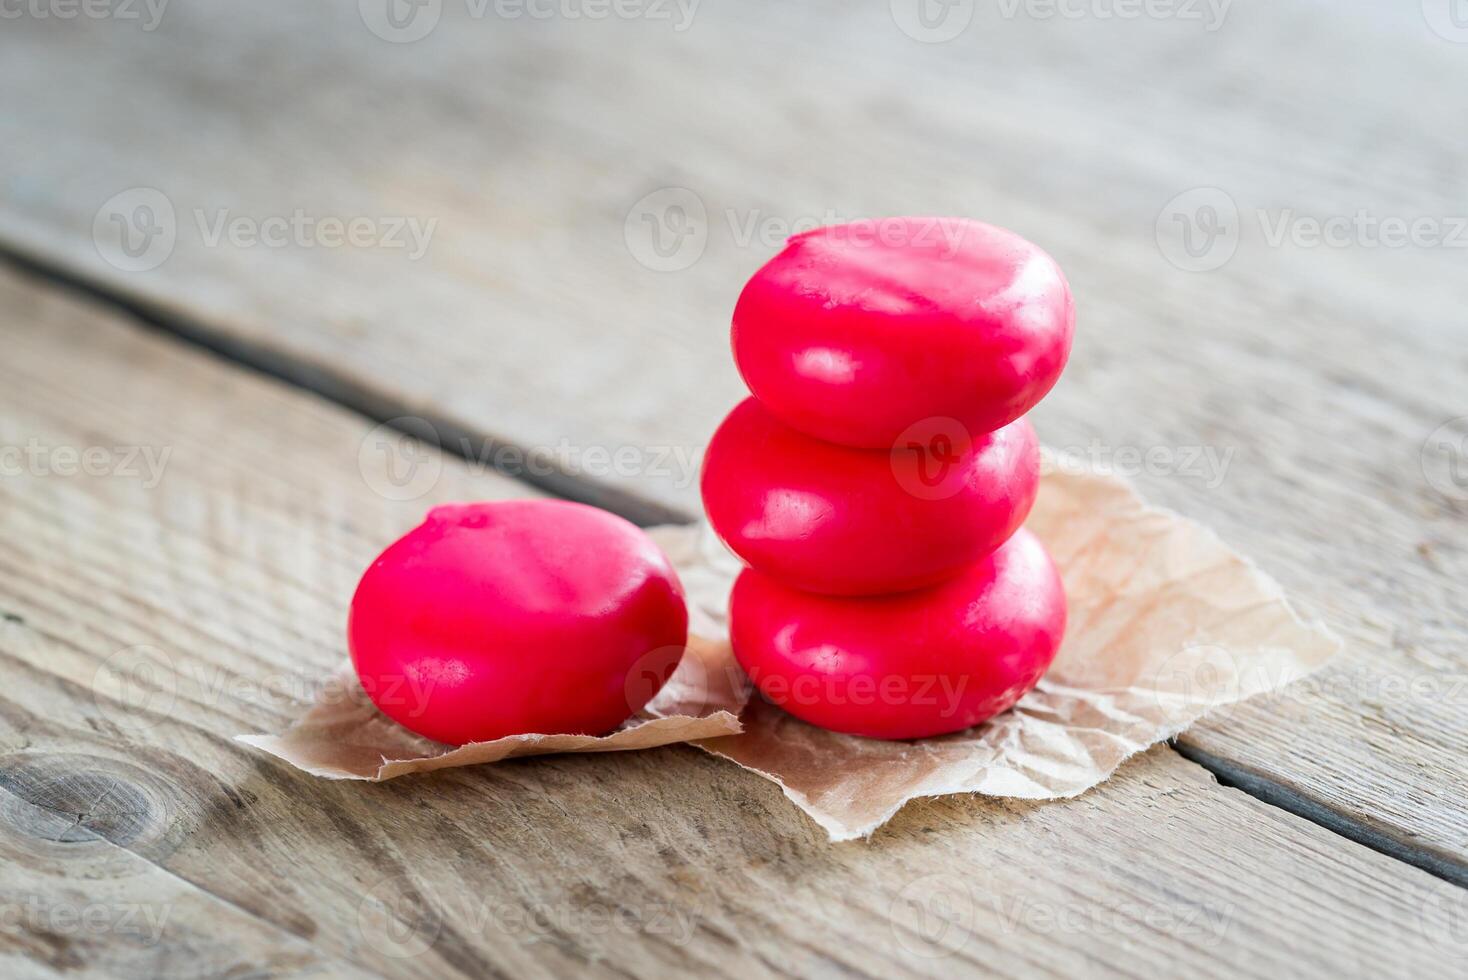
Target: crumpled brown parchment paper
{"x": 1166, "y": 624}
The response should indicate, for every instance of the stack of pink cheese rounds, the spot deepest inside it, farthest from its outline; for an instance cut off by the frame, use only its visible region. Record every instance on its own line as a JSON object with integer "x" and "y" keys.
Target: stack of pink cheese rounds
{"x": 876, "y": 482}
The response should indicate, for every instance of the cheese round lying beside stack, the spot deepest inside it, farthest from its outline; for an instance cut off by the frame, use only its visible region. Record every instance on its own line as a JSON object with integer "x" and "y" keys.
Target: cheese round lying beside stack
{"x": 515, "y": 617}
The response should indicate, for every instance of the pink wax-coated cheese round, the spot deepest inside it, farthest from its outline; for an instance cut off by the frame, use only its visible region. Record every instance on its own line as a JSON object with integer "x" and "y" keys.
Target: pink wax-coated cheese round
{"x": 843, "y": 521}
{"x": 854, "y": 333}
{"x": 911, "y": 665}
{"x": 514, "y": 617}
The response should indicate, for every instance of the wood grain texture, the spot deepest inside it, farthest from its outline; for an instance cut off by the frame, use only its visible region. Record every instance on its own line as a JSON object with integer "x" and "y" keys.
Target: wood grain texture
{"x": 78, "y": 902}
{"x": 1316, "y": 372}
{"x": 144, "y": 625}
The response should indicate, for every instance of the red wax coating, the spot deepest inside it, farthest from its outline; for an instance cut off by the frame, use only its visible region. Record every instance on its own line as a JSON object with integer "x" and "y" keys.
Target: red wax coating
{"x": 843, "y": 521}
{"x": 856, "y": 332}
{"x": 910, "y": 665}
{"x": 515, "y": 617}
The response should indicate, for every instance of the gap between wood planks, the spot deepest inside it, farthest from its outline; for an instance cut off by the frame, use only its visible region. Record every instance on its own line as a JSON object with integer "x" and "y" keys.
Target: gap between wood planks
{"x": 460, "y": 440}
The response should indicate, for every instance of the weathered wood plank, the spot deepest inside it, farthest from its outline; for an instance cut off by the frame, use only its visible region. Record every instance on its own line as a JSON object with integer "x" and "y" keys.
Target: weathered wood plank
{"x": 218, "y": 592}
{"x": 75, "y": 900}
{"x": 1289, "y": 394}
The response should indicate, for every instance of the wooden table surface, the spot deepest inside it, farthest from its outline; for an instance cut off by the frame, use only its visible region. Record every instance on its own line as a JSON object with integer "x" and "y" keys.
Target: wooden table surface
{"x": 239, "y": 237}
